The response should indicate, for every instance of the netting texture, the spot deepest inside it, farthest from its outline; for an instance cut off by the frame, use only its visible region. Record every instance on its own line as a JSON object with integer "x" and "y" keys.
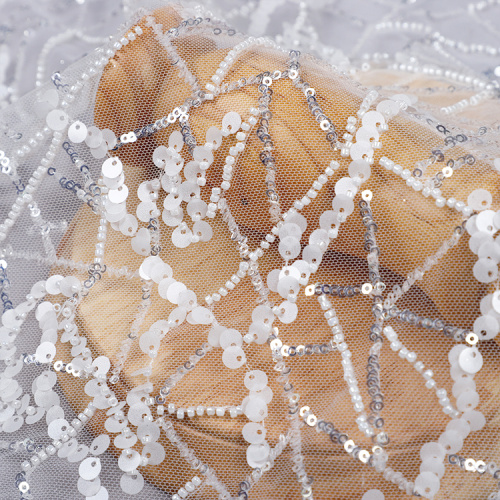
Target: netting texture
{"x": 286, "y": 282}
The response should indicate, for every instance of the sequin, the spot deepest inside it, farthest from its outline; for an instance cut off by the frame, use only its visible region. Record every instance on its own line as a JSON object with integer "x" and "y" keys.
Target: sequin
{"x": 100, "y": 444}
{"x": 148, "y": 432}
{"x": 45, "y": 381}
{"x": 160, "y": 156}
{"x": 77, "y": 132}
{"x": 255, "y": 380}
{"x": 257, "y": 454}
{"x": 373, "y": 495}
{"x": 132, "y": 484}
{"x": 70, "y": 286}
{"x": 202, "y": 230}
{"x": 230, "y": 337}
{"x": 266, "y": 394}
{"x": 484, "y": 222}
{"x": 388, "y": 108}
{"x": 170, "y": 219}
{"x": 486, "y": 327}
{"x": 214, "y": 335}
{"x": 470, "y": 360}
{"x": 146, "y": 210}
{"x": 199, "y": 315}
{"x": 141, "y": 243}
{"x": 485, "y": 270}
{"x": 137, "y": 412}
{"x": 46, "y": 102}
{"x": 102, "y": 494}
{"x": 154, "y": 452}
{"x": 13, "y": 424}
{"x": 128, "y": 225}
{"x": 78, "y": 454}
{"x": 254, "y": 433}
{"x": 176, "y": 141}
{"x": 90, "y": 468}
{"x": 192, "y": 171}
{"x": 182, "y": 236}
{"x": 479, "y": 199}
{"x": 125, "y": 440}
{"x": 54, "y": 413}
{"x": 57, "y": 120}
{"x": 343, "y": 205}
{"x": 255, "y": 409}
{"x": 427, "y": 484}
{"x": 289, "y": 248}
{"x": 231, "y": 122}
{"x": 214, "y": 137}
{"x": 45, "y": 352}
{"x": 118, "y": 195}
{"x": 109, "y": 138}
{"x": 345, "y": 186}
{"x": 88, "y": 488}
{"x": 149, "y": 342}
{"x": 233, "y": 357}
{"x": 358, "y": 169}
{"x": 475, "y": 419}
{"x": 361, "y": 150}
{"x": 94, "y": 137}
{"x": 451, "y": 441}
{"x": 432, "y": 450}
{"x": 112, "y": 168}
{"x": 203, "y": 154}
{"x": 467, "y": 401}
{"x": 174, "y": 291}
{"x": 287, "y": 312}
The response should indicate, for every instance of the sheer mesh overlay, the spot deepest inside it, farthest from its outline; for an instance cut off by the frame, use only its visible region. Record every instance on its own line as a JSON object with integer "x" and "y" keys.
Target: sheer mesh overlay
{"x": 246, "y": 275}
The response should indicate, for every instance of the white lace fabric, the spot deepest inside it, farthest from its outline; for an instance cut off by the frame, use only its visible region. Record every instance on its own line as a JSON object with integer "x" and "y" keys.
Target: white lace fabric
{"x": 232, "y": 270}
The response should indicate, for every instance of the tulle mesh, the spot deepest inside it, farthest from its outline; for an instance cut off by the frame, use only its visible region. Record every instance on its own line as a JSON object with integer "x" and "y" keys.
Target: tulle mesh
{"x": 139, "y": 86}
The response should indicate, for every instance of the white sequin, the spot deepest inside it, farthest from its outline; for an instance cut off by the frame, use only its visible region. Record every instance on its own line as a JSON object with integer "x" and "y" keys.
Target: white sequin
{"x": 231, "y": 122}
{"x": 233, "y": 357}
{"x": 90, "y": 468}
{"x": 77, "y": 132}
{"x": 57, "y": 120}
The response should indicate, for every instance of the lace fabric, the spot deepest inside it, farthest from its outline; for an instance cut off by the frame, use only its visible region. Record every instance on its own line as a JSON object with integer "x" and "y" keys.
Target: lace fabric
{"x": 231, "y": 270}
